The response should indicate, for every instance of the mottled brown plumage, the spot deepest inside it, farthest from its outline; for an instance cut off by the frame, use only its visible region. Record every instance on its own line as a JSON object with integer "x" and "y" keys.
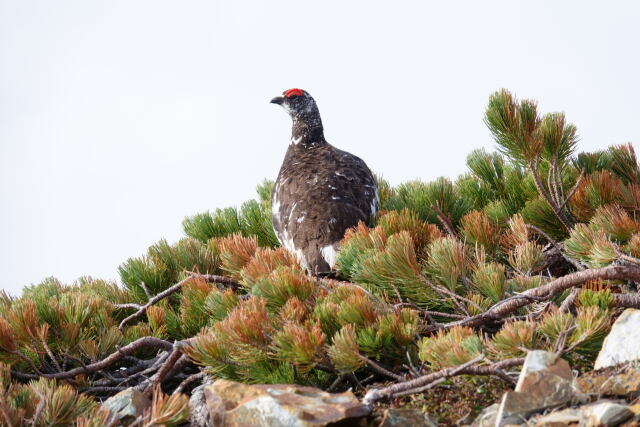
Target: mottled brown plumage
{"x": 320, "y": 192}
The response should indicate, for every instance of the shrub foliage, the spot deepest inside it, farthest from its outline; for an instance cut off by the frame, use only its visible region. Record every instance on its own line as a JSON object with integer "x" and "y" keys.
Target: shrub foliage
{"x": 440, "y": 251}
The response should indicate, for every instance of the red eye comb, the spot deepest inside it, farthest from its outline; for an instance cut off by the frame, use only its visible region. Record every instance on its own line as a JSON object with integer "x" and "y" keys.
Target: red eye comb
{"x": 292, "y": 92}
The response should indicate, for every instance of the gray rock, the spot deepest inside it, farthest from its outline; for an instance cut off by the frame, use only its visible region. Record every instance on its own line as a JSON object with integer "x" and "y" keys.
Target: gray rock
{"x": 604, "y": 413}
{"x": 538, "y": 365}
{"x": 486, "y": 418}
{"x": 565, "y": 417}
{"x": 405, "y": 417}
{"x": 623, "y": 342}
{"x": 545, "y": 381}
{"x": 127, "y": 405}
{"x": 199, "y": 413}
{"x": 235, "y": 404}
{"x": 619, "y": 381}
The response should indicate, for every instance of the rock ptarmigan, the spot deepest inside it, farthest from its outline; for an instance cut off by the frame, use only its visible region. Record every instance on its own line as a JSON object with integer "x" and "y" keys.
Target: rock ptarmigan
{"x": 320, "y": 192}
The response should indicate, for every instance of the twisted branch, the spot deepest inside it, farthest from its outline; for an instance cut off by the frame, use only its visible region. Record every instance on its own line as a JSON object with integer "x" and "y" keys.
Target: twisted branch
{"x": 142, "y": 309}
{"x": 548, "y": 198}
{"x": 497, "y": 312}
{"x": 445, "y": 221}
{"x": 144, "y": 342}
{"x": 424, "y": 382}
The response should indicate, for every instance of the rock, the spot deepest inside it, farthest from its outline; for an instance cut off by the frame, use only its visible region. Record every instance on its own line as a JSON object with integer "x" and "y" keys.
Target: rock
{"x": 235, "y": 404}
{"x": 515, "y": 408}
{"x": 127, "y": 405}
{"x": 635, "y": 420}
{"x": 635, "y": 409}
{"x": 545, "y": 381}
{"x": 405, "y": 417}
{"x": 563, "y": 418}
{"x": 540, "y": 365}
{"x": 604, "y": 413}
{"x": 486, "y": 418}
{"x": 199, "y": 413}
{"x": 623, "y": 342}
{"x": 611, "y": 382}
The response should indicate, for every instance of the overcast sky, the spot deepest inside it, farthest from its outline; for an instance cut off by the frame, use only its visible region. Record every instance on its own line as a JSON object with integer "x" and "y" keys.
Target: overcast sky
{"x": 120, "y": 118}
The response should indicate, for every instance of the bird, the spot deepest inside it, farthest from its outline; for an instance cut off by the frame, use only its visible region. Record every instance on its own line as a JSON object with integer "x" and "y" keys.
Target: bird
{"x": 320, "y": 192}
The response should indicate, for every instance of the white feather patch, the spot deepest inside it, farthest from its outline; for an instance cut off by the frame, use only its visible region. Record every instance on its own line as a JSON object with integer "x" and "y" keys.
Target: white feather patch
{"x": 289, "y": 245}
{"x": 275, "y": 207}
{"x": 329, "y": 254}
{"x": 375, "y": 203}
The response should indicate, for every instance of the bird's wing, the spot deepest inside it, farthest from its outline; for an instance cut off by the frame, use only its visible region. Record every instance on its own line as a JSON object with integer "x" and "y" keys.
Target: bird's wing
{"x": 355, "y": 179}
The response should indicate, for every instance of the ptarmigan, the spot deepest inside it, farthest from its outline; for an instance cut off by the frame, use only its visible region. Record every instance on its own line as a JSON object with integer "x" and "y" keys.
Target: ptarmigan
{"x": 320, "y": 192}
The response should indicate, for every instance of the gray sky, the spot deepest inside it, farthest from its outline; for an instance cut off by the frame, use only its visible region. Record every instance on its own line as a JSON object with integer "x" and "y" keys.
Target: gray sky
{"x": 120, "y": 118}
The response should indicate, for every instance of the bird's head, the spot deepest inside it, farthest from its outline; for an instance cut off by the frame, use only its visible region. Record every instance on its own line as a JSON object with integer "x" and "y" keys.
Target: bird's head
{"x": 298, "y": 103}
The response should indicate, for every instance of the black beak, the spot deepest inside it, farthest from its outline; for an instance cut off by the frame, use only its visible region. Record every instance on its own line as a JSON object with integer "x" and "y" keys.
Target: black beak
{"x": 278, "y": 100}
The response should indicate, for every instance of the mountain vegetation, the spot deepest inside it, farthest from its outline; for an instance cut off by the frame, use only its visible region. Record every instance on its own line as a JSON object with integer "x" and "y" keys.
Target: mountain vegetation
{"x": 536, "y": 246}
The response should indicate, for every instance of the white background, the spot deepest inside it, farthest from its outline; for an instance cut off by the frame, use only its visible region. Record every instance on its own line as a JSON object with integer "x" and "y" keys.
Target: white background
{"x": 120, "y": 118}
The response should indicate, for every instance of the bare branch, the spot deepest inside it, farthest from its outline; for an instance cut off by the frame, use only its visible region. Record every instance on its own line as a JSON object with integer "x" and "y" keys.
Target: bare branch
{"x": 497, "y": 372}
{"x": 397, "y": 292}
{"x": 49, "y": 352}
{"x": 430, "y": 312}
{"x": 142, "y": 309}
{"x": 111, "y": 359}
{"x": 167, "y": 365}
{"x": 28, "y": 361}
{"x": 624, "y": 256}
{"x": 103, "y": 389}
{"x": 24, "y": 375}
{"x": 552, "y": 180}
{"x": 379, "y": 369}
{"x": 128, "y": 305}
{"x": 42, "y": 403}
{"x": 423, "y": 382}
{"x": 191, "y": 378}
{"x": 441, "y": 314}
{"x": 504, "y": 308}
{"x": 444, "y": 220}
{"x": 556, "y": 245}
{"x": 573, "y": 190}
{"x": 547, "y": 197}
{"x": 569, "y": 301}
{"x": 146, "y": 290}
{"x": 154, "y": 367}
{"x": 630, "y": 259}
{"x": 454, "y": 296}
{"x": 626, "y": 300}
{"x": 222, "y": 280}
{"x": 336, "y": 383}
